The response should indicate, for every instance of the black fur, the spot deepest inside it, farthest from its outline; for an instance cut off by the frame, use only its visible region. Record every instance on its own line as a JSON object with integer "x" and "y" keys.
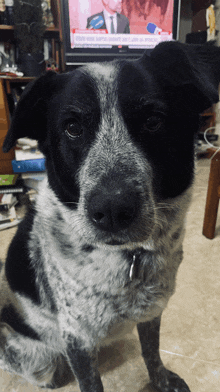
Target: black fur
{"x": 10, "y": 316}
{"x": 20, "y": 273}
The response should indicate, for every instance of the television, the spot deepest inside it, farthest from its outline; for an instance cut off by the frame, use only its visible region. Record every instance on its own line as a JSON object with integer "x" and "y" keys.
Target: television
{"x": 102, "y": 30}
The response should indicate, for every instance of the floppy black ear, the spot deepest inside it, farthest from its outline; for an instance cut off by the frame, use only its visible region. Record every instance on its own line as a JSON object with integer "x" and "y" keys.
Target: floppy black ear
{"x": 190, "y": 74}
{"x": 29, "y": 119}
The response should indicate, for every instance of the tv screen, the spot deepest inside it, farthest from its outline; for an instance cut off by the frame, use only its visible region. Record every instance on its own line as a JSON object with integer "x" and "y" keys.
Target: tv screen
{"x": 100, "y": 30}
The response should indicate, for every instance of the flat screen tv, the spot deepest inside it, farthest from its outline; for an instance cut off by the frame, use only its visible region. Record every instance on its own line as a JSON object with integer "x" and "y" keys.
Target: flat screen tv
{"x": 101, "y": 30}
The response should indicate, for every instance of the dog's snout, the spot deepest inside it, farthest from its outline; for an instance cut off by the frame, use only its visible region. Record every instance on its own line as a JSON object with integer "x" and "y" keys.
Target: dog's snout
{"x": 113, "y": 211}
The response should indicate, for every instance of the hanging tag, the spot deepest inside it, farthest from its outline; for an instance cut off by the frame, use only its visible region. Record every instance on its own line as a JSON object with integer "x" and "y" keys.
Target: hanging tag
{"x": 132, "y": 269}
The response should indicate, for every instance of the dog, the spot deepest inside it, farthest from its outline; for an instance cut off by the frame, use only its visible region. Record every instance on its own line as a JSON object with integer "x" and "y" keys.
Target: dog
{"x": 99, "y": 251}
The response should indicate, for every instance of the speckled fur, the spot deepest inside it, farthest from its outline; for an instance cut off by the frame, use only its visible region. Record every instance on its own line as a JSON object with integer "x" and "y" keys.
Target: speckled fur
{"x": 84, "y": 297}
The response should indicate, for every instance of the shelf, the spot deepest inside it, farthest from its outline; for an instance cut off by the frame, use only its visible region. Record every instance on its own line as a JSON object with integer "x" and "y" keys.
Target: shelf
{"x": 49, "y": 29}
{"x": 54, "y": 34}
{"x": 5, "y": 27}
{"x": 17, "y": 79}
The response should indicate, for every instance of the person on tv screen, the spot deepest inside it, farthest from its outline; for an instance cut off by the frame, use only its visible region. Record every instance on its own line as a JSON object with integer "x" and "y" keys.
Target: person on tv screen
{"x": 110, "y": 18}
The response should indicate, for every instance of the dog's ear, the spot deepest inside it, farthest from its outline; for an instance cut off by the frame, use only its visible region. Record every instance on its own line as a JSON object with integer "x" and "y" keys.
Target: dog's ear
{"x": 189, "y": 74}
{"x": 29, "y": 119}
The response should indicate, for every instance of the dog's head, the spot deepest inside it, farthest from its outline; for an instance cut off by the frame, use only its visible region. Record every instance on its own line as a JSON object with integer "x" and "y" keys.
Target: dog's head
{"x": 119, "y": 137}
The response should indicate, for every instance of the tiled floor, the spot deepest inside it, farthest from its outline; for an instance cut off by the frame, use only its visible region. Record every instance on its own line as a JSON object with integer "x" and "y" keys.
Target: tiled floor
{"x": 190, "y": 336}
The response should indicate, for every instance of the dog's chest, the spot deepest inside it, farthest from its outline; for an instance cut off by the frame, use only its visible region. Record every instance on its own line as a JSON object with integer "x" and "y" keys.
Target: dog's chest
{"x": 96, "y": 293}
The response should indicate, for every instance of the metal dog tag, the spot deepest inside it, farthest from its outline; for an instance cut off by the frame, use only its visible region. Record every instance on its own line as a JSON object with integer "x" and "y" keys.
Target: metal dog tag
{"x": 137, "y": 270}
{"x": 132, "y": 272}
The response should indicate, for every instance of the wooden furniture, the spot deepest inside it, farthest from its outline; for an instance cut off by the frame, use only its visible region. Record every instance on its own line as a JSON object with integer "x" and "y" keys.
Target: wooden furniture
{"x": 5, "y": 159}
{"x": 213, "y": 195}
{"x": 53, "y": 33}
{"x": 210, "y": 117}
{"x": 5, "y": 88}
{"x": 7, "y": 35}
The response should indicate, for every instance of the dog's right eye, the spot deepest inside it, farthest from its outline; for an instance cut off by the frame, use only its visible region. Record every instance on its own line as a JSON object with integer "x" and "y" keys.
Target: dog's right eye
{"x": 73, "y": 129}
{"x": 153, "y": 123}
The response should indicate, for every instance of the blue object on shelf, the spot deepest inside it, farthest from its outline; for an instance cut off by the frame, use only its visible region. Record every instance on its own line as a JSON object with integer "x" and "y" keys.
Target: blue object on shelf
{"x": 32, "y": 165}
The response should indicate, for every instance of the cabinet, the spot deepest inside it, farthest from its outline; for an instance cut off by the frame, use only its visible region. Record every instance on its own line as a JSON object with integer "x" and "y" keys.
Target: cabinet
{"x": 5, "y": 89}
{"x": 7, "y": 34}
{"x": 53, "y": 33}
{"x": 5, "y": 159}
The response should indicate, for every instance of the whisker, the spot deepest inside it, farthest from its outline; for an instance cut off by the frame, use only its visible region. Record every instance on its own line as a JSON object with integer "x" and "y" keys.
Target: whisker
{"x": 161, "y": 208}
{"x": 167, "y": 205}
{"x": 71, "y": 202}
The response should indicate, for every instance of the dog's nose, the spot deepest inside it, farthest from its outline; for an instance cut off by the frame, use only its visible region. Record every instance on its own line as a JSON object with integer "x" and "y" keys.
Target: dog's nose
{"x": 113, "y": 211}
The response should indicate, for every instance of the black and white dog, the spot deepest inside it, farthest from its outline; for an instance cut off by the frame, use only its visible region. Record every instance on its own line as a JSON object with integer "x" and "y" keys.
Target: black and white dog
{"x": 100, "y": 250}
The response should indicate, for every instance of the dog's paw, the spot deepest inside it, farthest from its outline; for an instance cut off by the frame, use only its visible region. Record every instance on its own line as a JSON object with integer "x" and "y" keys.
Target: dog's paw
{"x": 5, "y": 331}
{"x": 48, "y": 386}
{"x": 167, "y": 381}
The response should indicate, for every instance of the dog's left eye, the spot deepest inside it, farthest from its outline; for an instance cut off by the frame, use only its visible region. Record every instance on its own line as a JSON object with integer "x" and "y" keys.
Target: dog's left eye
{"x": 153, "y": 123}
{"x": 73, "y": 129}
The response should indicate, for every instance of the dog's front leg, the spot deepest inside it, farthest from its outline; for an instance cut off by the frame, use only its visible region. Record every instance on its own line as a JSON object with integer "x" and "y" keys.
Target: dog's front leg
{"x": 163, "y": 380}
{"x": 84, "y": 366}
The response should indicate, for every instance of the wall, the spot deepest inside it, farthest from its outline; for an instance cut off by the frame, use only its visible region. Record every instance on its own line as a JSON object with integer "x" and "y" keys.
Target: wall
{"x": 185, "y": 27}
{"x": 185, "y": 19}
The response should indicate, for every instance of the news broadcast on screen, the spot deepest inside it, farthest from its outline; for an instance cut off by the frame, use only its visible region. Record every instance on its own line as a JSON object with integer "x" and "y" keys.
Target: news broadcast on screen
{"x": 108, "y": 23}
